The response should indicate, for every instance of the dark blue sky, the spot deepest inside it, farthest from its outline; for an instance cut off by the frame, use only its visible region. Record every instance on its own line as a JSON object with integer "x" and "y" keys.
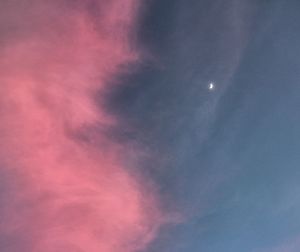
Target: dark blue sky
{"x": 227, "y": 160}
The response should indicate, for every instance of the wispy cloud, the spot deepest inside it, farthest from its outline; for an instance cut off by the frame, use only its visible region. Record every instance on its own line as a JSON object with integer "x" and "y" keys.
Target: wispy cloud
{"x": 71, "y": 190}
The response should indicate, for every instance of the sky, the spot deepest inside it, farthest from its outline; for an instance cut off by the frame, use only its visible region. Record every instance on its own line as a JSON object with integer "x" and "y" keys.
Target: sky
{"x": 149, "y": 126}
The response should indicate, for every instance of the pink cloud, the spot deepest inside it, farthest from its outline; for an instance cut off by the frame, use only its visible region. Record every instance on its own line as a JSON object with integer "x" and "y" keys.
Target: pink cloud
{"x": 71, "y": 192}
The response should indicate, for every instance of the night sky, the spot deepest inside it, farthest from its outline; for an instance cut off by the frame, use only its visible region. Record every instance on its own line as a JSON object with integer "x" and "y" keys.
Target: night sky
{"x": 149, "y": 126}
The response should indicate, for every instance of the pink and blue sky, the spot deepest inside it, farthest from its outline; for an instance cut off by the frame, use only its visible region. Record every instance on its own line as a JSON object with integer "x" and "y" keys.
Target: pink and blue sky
{"x": 112, "y": 140}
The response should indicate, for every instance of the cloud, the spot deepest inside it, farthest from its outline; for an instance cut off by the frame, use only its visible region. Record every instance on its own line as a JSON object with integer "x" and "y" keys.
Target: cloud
{"x": 66, "y": 187}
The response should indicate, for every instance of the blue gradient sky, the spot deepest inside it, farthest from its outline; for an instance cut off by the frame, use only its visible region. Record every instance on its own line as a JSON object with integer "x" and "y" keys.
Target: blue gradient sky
{"x": 226, "y": 160}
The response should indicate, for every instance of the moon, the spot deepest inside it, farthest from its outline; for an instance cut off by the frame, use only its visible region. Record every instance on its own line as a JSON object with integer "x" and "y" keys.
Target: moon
{"x": 211, "y": 86}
